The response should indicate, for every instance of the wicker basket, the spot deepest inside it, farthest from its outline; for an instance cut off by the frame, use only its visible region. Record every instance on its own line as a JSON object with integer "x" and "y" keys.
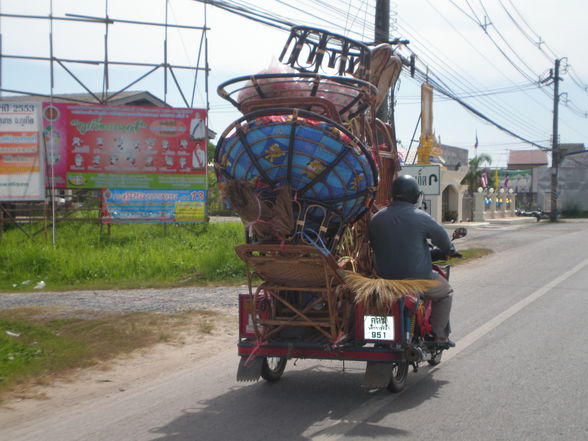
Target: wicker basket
{"x": 294, "y": 266}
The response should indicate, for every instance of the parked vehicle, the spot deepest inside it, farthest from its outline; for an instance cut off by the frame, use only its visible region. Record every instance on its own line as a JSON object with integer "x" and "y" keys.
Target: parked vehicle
{"x": 538, "y": 214}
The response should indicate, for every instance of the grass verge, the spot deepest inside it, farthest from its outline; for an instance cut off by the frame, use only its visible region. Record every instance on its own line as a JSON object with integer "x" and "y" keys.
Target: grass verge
{"x": 130, "y": 256}
{"x": 472, "y": 253}
{"x": 40, "y": 344}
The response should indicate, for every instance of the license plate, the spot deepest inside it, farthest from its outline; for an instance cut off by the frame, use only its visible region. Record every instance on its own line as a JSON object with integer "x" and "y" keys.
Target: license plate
{"x": 378, "y": 328}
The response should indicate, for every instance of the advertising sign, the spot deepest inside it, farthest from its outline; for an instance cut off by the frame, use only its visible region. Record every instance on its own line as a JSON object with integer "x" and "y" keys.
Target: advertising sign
{"x": 101, "y": 146}
{"x": 161, "y": 206}
{"x": 21, "y": 158}
{"x": 427, "y": 176}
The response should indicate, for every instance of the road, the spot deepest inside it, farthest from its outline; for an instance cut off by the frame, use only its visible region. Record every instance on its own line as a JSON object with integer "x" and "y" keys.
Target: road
{"x": 517, "y": 373}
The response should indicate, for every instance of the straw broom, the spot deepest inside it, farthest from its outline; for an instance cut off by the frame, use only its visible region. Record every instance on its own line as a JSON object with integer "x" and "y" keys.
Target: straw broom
{"x": 283, "y": 214}
{"x": 267, "y": 219}
{"x": 376, "y": 295}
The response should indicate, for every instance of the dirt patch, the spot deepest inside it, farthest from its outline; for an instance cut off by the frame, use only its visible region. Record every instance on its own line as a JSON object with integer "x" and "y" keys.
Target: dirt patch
{"x": 121, "y": 374}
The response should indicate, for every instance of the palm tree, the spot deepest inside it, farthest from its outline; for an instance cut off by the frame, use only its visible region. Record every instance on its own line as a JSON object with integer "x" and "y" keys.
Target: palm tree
{"x": 474, "y": 174}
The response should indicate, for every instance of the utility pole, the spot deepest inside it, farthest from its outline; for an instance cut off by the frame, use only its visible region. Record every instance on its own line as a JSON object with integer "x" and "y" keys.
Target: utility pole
{"x": 554, "y": 143}
{"x": 382, "y": 35}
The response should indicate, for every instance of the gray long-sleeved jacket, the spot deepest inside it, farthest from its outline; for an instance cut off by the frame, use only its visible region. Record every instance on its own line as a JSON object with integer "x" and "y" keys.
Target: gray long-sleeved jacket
{"x": 398, "y": 235}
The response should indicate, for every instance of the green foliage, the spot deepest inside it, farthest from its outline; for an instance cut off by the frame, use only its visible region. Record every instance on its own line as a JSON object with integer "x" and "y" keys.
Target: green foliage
{"x": 574, "y": 212}
{"x": 210, "y": 152}
{"x": 133, "y": 255}
{"x": 450, "y": 216}
{"x": 474, "y": 174}
{"x": 31, "y": 349}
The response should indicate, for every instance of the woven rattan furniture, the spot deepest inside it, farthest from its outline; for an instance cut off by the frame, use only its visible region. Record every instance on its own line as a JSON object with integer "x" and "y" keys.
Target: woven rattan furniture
{"x": 316, "y": 50}
{"x": 300, "y": 288}
{"x": 338, "y": 98}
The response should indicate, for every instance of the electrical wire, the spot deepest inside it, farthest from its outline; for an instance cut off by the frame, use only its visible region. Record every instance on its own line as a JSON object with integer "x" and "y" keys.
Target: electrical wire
{"x": 341, "y": 11}
{"x": 337, "y": 14}
{"x": 460, "y": 80}
{"x": 539, "y": 42}
{"x": 526, "y": 35}
{"x": 578, "y": 83}
{"x": 485, "y": 27}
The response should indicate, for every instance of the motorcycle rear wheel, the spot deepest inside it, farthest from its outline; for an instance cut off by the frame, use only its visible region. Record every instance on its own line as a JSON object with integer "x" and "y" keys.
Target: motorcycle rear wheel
{"x": 272, "y": 368}
{"x": 399, "y": 376}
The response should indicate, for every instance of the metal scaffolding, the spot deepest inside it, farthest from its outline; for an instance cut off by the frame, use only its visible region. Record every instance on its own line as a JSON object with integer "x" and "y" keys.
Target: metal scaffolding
{"x": 187, "y": 92}
{"x": 104, "y": 93}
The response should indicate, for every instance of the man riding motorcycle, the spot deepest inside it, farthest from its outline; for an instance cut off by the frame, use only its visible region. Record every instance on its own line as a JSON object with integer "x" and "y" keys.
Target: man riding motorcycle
{"x": 398, "y": 235}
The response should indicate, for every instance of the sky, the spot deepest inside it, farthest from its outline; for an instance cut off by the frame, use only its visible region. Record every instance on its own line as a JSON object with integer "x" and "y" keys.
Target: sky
{"x": 491, "y": 54}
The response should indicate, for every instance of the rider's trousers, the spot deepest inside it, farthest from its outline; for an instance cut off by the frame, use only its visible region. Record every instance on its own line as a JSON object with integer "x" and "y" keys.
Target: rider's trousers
{"x": 442, "y": 296}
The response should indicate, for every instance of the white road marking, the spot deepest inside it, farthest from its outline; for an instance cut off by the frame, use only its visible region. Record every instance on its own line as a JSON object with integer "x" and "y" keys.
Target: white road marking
{"x": 477, "y": 334}
{"x": 337, "y": 429}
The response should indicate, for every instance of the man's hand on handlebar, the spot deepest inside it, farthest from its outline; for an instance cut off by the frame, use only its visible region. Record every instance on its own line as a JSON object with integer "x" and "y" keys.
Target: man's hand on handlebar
{"x": 437, "y": 254}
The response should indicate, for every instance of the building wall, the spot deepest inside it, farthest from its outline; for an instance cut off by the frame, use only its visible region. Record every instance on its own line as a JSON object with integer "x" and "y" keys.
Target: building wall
{"x": 572, "y": 184}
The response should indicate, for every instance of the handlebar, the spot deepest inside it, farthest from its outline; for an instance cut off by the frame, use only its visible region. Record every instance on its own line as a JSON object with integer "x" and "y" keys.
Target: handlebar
{"x": 437, "y": 254}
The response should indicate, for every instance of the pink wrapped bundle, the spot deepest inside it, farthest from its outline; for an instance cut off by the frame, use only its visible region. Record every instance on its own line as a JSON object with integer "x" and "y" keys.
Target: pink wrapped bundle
{"x": 339, "y": 94}
{"x": 281, "y": 85}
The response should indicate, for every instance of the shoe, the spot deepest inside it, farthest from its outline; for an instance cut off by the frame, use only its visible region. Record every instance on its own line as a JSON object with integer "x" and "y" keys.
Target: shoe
{"x": 444, "y": 343}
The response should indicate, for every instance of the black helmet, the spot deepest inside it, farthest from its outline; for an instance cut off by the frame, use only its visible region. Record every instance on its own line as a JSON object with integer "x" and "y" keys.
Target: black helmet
{"x": 405, "y": 188}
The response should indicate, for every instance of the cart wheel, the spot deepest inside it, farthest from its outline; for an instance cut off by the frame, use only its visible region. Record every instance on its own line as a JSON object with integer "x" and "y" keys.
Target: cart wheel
{"x": 436, "y": 359}
{"x": 399, "y": 376}
{"x": 272, "y": 368}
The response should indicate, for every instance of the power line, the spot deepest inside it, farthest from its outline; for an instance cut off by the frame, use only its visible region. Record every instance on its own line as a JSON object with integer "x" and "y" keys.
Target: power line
{"x": 578, "y": 83}
{"x": 527, "y": 36}
{"x": 540, "y": 42}
{"x": 498, "y": 107}
{"x": 442, "y": 90}
{"x": 337, "y": 15}
{"x": 485, "y": 27}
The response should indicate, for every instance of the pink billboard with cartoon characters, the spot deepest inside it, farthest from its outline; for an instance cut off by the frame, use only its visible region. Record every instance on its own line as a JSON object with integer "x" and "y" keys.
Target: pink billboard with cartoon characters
{"x": 102, "y": 146}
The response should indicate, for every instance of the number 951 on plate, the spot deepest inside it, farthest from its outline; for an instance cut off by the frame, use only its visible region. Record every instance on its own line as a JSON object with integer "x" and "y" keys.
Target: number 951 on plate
{"x": 378, "y": 327}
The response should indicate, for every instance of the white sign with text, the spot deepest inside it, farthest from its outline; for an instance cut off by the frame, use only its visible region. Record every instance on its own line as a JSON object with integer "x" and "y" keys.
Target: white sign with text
{"x": 427, "y": 176}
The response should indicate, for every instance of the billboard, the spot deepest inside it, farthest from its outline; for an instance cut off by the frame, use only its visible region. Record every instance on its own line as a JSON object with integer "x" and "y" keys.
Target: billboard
{"x": 21, "y": 154}
{"x": 144, "y": 206}
{"x": 129, "y": 147}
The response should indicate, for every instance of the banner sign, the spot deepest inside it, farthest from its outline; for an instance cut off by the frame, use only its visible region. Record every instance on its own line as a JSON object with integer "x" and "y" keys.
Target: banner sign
{"x": 427, "y": 176}
{"x": 161, "y": 206}
{"x": 519, "y": 180}
{"x": 102, "y": 146}
{"x": 21, "y": 154}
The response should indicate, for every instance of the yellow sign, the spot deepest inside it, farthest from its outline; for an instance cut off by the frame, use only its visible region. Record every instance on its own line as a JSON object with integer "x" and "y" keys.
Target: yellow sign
{"x": 189, "y": 211}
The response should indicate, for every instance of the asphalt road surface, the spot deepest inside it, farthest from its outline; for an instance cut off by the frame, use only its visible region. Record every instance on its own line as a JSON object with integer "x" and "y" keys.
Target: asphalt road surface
{"x": 518, "y": 371}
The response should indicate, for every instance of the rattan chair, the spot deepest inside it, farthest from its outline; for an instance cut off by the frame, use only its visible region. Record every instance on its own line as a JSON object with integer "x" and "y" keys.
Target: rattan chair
{"x": 300, "y": 288}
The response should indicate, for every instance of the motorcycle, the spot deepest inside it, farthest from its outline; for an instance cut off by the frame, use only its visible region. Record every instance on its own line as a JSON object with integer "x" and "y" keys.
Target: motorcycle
{"x": 537, "y": 214}
{"x": 390, "y": 344}
{"x": 420, "y": 345}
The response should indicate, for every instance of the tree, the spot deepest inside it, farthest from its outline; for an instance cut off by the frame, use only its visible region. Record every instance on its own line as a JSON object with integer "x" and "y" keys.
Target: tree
{"x": 473, "y": 177}
{"x": 210, "y": 151}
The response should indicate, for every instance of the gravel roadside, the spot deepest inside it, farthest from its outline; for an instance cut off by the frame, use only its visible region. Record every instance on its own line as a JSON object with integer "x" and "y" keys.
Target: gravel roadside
{"x": 165, "y": 300}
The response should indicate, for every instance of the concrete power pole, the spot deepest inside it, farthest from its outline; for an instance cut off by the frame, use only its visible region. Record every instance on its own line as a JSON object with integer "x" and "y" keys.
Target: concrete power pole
{"x": 382, "y": 35}
{"x": 554, "y": 143}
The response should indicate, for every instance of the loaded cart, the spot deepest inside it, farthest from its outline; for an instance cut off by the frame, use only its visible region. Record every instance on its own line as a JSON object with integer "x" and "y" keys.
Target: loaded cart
{"x": 305, "y": 167}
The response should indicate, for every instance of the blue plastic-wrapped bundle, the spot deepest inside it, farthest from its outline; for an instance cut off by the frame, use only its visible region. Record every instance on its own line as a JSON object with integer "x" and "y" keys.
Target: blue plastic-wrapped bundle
{"x": 331, "y": 175}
